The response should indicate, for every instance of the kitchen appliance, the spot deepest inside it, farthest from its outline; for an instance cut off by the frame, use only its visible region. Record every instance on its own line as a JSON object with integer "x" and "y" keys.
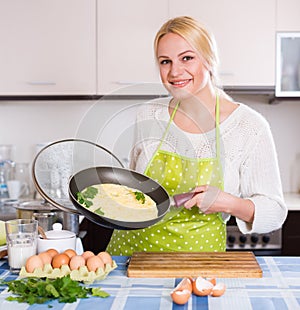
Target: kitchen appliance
{"x": 45, "y": 213}
{"x": 287, "y": 64}
{"x": 260, "y": 244}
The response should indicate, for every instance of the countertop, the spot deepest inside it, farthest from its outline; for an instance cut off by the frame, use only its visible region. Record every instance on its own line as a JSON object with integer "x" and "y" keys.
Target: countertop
{"x": 279, "y": 288}
{"x": 292, "y": 201}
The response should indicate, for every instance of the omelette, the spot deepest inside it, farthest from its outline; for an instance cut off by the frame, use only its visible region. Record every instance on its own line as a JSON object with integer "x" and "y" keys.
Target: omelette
{"x": 118, "y": 202}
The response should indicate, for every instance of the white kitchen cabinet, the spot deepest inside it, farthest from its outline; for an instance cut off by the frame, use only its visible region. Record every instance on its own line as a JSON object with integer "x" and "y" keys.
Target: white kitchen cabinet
{"x": 245, "y": 35}
{"x": 126, "y": 31}
{"x": 288, "y": 15}
{"x": 48, "y": 47}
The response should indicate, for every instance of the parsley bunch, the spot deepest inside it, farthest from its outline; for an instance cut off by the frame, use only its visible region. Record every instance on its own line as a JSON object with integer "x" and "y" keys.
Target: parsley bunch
{"x": 39, "y": 290}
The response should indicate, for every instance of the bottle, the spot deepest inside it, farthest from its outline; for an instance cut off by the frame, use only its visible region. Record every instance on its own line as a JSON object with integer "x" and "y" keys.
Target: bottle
{"x": 3, "y": 185}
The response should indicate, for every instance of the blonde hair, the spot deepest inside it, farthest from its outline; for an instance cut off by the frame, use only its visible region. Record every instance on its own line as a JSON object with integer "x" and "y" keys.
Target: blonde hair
{"x": 197, "y": 36}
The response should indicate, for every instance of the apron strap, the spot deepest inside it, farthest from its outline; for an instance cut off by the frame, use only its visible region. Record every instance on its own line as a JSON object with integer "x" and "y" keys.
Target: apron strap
{"x": 168, "y": 126}
{"x": 218, "y": 148}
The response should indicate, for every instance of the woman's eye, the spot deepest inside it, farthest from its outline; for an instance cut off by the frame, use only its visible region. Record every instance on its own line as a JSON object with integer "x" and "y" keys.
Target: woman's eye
{"x": 164, "y": 62}
{"x": 186, "y": 58}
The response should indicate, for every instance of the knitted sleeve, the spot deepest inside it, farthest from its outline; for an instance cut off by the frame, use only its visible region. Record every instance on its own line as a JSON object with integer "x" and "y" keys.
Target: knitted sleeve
{"x": 260, "y": 182}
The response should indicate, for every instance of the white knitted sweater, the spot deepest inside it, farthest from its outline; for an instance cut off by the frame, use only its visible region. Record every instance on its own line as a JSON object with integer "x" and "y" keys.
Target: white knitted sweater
{"x": 248, "y": 155}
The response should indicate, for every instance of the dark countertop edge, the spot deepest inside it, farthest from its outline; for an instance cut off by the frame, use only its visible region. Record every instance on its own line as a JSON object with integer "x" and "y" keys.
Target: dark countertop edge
{"x": 268, "y": 91}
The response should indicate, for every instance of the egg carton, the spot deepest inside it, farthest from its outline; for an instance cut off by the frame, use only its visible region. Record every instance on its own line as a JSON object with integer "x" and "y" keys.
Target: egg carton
{"x": 82, "y": 274}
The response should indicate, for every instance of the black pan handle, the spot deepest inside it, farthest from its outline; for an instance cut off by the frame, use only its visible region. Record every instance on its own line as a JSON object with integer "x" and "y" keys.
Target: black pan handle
{"x": 181, "y": 199}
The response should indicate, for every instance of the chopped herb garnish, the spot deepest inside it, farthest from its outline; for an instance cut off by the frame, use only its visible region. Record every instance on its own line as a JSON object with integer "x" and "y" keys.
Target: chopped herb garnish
{"x": 99, "y": 211}
{"x": 82, "y": 197}
{"x": 140, "y": 197}
{"x": 41, "y": 290}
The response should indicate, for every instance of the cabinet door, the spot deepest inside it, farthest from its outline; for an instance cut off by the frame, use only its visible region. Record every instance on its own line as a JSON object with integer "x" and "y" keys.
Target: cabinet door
{"x": 288, "y": 15}
{"x": 126, "y": 31}
{"x": 48, "y": 47}
{"x": 245, "y": 35}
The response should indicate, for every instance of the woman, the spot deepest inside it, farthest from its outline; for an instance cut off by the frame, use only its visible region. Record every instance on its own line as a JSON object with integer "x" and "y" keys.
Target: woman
{"x": 200, "y": 140}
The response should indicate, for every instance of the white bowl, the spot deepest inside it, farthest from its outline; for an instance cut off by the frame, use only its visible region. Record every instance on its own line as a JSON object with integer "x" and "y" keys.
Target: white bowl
{"x": 57, "y": 239}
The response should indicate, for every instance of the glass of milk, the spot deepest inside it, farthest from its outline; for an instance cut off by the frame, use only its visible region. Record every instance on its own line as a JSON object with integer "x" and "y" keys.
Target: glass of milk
{"x": 21, "y": 239}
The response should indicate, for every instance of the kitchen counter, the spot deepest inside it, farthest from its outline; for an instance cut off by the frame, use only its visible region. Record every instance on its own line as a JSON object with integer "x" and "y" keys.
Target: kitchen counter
{"x": 292, "y": 201}
{"x": 279, "y": 288}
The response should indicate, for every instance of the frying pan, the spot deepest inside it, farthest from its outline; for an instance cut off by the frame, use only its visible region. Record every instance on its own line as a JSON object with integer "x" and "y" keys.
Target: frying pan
{"x": 66, "y": 167}
{"x": 122, "y": 176}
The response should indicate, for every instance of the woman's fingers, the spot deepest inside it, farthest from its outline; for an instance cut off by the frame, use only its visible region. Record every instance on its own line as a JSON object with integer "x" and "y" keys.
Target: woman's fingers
{"x": 204, "y": 199}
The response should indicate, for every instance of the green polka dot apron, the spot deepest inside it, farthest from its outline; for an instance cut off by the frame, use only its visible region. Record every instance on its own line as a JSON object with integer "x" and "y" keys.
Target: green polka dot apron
{"x": 181, "y": 229}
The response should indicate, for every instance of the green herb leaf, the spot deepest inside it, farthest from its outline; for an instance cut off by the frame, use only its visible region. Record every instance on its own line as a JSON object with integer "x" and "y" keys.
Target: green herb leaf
{"x": 140, "y": 196}
{"x": 97, "y": 291}
{"x": 40, "y": 290}
{"x": 99, "y": 211}
{"x": 82, "y": 197}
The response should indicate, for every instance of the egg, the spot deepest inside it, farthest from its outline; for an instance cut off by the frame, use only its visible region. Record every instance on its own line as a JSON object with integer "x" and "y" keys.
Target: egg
{"x": 182, "y": 292}
{"x": 218, "y": 290}
{"x": 212, "y": 280}
{"x": 106, "y": 258}
{"x": 76, "y": 261}
{"x": 45, "y": 257}
{"x": 52, "y": 252}
{"x": 202, "y": 287}
{"x": 60, "y": 259}
{"x": 180, "y": 297}
{"x": 184, "y": 284}
{"x": 94, "y": 262}
{"x": 70, "y": 252}
{"x": 33, "y": 262}
{"x": 87, "y": 254}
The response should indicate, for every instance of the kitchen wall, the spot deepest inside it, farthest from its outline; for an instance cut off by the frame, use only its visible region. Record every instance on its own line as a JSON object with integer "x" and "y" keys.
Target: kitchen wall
{"x": 28, "y": 123}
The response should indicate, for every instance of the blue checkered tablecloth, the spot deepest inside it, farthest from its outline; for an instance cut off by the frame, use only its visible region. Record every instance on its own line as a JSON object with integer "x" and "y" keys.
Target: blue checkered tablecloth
{"x": 279, "y": 288}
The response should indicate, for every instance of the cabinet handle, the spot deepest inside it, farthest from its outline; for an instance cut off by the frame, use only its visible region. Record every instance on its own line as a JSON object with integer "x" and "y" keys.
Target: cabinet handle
{"x": 40, "y": 83}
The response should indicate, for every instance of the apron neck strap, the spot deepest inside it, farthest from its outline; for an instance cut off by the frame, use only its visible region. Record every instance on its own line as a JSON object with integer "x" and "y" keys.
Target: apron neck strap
{"x": 218, "y": 149}
{"x": 217, "y": 117}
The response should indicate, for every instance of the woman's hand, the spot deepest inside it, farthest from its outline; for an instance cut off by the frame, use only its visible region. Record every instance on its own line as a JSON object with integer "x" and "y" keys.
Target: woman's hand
{"x": 207, "y": 198}
{"x": 210, "y": 199}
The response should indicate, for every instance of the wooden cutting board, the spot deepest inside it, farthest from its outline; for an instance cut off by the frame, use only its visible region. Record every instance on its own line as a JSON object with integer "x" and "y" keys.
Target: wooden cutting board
{"x": 193, "y": 264}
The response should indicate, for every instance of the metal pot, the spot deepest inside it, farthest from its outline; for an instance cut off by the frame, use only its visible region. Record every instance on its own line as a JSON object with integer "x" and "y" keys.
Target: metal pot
{"x": 45, "y": 213}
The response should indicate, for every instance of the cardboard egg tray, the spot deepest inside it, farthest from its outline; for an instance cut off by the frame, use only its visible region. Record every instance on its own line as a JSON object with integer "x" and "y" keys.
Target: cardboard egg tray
{"x": 82, "y": 274}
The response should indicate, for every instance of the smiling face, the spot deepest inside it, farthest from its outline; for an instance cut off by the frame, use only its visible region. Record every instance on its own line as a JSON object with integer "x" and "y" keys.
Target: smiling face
{"x": 182, "y": 68}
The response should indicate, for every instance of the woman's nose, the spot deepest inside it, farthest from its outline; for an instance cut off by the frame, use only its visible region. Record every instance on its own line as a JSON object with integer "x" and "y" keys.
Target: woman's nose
{"x": 176, "y": 69}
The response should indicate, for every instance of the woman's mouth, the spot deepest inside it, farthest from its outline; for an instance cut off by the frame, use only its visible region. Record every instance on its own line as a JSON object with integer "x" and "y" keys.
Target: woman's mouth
{"x": 180, "y": 83}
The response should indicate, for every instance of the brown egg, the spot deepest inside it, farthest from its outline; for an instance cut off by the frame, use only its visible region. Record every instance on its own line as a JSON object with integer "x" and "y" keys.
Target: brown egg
{"x": 59, "y": 260}
{"x": 212, "y": 280}
{"x": 184, "y": 284}
{"x": 180, "y": 297}
{"x": 45, "y": 257}
{"x": 218, "y": 290}
{"x": 87, "y": 254}
{"x": 52, "y": 252}
{"x": 76, "y": 261}
{"x": 33, "y": 262}
{"x": 94, "y": 262}
{"x": 106, "y": 258}
{"x": 202, "y": 287}
{"x": 70, "y": 252}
